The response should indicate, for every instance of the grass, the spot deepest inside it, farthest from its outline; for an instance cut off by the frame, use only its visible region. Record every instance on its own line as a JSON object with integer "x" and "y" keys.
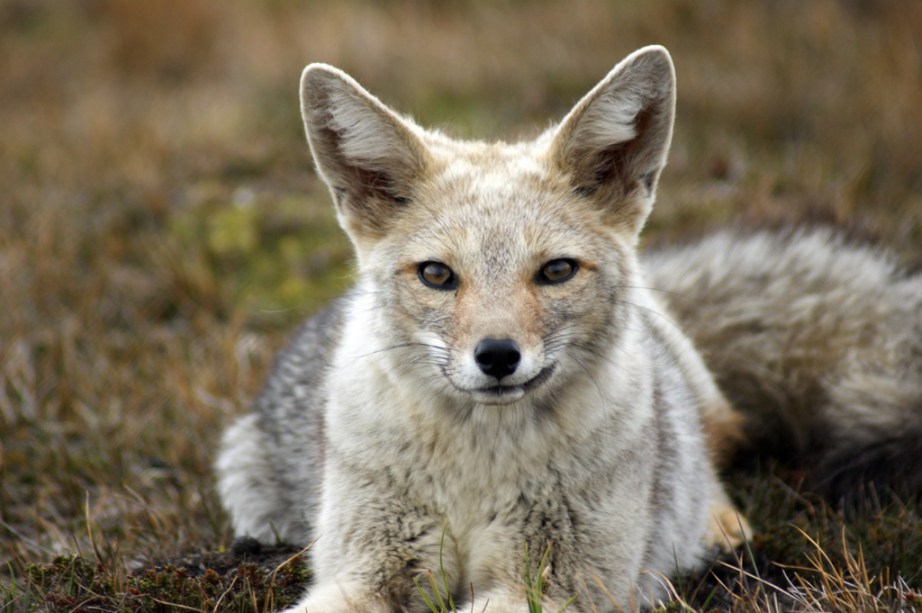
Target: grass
{"x": 806, "y": 556}
{"x": 161, "y": 232}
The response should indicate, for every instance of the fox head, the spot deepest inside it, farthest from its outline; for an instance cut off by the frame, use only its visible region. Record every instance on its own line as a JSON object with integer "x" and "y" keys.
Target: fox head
{"x": 501, "y": 270}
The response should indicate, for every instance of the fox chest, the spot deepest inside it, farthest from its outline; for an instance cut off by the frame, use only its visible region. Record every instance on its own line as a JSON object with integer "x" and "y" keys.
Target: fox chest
{"x": 490, "y": 516}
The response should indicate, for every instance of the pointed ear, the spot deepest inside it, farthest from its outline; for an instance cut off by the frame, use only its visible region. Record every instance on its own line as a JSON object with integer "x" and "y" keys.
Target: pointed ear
{"x": 369, "y": 156}
{"x": 613, "y": 144}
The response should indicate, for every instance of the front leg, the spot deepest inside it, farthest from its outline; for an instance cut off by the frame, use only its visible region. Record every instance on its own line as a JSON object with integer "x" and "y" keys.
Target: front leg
{"x": 507, "y": 577}
{"x": 375, "y": 549}
{"x": 381, "y": 574}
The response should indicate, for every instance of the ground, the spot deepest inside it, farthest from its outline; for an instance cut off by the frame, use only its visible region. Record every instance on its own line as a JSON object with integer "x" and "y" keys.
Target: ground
{"x": 162, "y": 231}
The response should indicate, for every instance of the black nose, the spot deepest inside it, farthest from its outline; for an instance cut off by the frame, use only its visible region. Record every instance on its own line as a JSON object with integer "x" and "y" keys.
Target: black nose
{"x": 497, "y": 357}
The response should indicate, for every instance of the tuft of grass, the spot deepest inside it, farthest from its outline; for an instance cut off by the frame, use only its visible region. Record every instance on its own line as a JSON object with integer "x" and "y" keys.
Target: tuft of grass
{"x": 806, "y": 556}
{"x": 436, "y": 592}
{"x": 535, "y": 576}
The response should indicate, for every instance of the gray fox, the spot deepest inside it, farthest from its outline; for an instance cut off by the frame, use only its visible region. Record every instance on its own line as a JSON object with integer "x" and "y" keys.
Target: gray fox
{"x": 508, "y": 382}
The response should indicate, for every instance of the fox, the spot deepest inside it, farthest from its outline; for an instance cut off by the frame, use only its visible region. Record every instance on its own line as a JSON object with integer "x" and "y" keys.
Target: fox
{"x": 514, "y": 399}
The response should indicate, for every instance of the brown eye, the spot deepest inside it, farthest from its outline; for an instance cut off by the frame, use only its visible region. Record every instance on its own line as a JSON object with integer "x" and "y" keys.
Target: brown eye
{"x": 437, "y": 276}
{"x": 557, "y": 271}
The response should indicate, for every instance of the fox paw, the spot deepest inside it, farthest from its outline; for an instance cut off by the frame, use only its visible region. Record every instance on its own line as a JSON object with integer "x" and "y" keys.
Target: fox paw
{"x": 344, "y": 597}
{"x": 728, "y": 528}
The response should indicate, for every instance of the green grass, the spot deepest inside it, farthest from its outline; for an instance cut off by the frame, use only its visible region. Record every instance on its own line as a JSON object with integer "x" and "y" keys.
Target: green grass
{"x": 161, "y": 232}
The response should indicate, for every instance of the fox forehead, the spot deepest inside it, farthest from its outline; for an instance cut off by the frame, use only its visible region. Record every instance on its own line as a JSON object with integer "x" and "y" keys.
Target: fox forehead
{"x": 500, "y": 209}
{"x": 490, "y": 162}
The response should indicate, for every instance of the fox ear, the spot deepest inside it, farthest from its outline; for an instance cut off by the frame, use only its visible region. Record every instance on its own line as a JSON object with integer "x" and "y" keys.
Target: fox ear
{"x": 369, "y": 156}
{"x": 614, "y": 142}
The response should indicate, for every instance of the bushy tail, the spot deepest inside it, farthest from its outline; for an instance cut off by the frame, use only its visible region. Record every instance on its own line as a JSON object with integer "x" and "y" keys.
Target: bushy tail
{"x": 818, "y": 342}
{"x": 852, "y": 474}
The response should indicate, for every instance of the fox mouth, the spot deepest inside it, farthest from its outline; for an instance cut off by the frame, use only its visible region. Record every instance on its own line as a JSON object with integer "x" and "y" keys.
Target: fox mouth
{"x": 505, "y": 394}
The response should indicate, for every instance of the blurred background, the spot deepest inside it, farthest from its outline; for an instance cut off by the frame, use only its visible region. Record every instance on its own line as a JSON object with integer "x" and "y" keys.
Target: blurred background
{"x": 162, "y": 229}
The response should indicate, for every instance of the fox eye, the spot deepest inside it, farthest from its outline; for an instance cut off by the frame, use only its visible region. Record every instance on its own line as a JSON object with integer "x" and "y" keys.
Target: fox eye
{"x": 437, "y": 276}
{"x": 557, "y": 271}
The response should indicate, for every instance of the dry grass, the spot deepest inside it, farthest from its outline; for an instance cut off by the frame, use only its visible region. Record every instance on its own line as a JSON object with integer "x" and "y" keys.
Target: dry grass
{"x": 161, "y": 230}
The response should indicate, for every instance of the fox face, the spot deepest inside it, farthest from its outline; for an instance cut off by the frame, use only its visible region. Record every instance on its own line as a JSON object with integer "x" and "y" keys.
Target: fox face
{"x": 500, "y": 281}
{"x": 503, "y": 270}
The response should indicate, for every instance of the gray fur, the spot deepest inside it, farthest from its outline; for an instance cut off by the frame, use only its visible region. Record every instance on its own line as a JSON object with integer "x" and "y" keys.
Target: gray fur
{"x": 818, "y": 340}
{"x": 272, "y": 459}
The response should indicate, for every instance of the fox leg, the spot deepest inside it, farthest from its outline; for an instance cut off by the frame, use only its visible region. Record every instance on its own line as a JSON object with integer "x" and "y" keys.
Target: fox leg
{"x": 250, "y": 488}
{"x": 723, "y": 430}
{"x": 727, "y": 526}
